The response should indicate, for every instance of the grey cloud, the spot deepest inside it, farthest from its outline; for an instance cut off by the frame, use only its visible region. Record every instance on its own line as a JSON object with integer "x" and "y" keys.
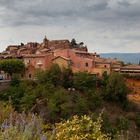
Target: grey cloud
{"x": 43, "y": 11}
{"x": 102, "y": 20}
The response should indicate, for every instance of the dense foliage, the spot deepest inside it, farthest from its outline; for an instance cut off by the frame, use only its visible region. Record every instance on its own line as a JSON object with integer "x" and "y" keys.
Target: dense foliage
{"x": 58, "y": 94}
{"x": 31, "y": 127}
{"x": 83, "y": 128}
{"x": 11, "y": 66}
{"x": 116, "y": 90}
{"x": 137, "y": 119}
{"x": 64, "y": 93}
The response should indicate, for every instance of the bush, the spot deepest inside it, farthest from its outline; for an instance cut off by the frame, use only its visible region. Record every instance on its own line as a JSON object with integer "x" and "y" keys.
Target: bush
{"x": 116, "y": 89}
{"x": 15, "y": 81}
{"x": 107, "y": 126}
{"x": 15, "y": 126}
{"x": 16, "y": 92}
{"x": 80, "y": 128}
{"x": 122, "y": 123}
{"x": 84, "y": 81}
{"x": 94, "y": 100}
{"x": 137, "y": 120}
{"x": 5, "y": 110}
{"x": 67, "y": 78}
{"x": 51, "y": 76}
{"x": 58, "y": 105}
{"x": 79, "y": 104}
{"x": 55, "y": 75}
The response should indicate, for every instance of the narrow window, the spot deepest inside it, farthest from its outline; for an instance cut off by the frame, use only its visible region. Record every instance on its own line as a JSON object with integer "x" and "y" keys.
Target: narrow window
{"x": 86, "y": 64}
{"x": 30, "y": 75}
{"x": 78, "y": 65}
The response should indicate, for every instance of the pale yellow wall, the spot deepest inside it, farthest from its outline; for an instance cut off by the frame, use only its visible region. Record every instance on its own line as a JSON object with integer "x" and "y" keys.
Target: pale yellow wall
{"x": 61, "y": 62}
{"x": 100, "y": 71}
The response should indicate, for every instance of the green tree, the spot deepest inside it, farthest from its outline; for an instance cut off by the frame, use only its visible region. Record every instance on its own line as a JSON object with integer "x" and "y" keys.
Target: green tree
{"x": 42, "y": 76}
{"x": 15, "y": 81}
{"x": 105, "y": 77}
{"x": 94, "y": 100}
{"x": 51, "y": 76}
{"x": 80, "y": 104}
{"x": 11, "y": 66}
{"x": 73, "y": 42}
{"x": 58, "y": 105}
{"x": 67, "y": 78}
{"x": 55, "y": 75}
{"x": 116, "y": 89}
{"x": 84, "y": 81}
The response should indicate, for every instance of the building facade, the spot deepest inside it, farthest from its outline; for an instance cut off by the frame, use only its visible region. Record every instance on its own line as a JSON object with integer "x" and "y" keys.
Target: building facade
{"x": 43, "y": 55}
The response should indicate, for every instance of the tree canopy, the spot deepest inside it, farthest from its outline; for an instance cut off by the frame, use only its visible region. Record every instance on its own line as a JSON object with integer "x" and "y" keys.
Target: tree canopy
{"x": 11, "y": 66}
{"x": 116, "y": 89}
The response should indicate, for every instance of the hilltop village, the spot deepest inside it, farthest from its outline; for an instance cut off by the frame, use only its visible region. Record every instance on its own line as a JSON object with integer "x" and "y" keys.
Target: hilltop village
{"x": 66, "y": 54}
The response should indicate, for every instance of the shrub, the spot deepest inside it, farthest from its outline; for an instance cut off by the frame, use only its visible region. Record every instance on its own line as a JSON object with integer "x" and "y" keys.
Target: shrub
{"x": 23, "y": 127}
{"x": 15, "y": 81}
{"x": 80, "y": 128}
{"x": 5, "y": 110}
{"x": 17, "y": 92}
{"x": 116, "y": 89}
{"x": 107, "y": 126}
{"x": 94, "y": 100}
{"x": 84, "y": 81}
{"x": 67, "y": 78}
{"x": 58, "y": 105}
{"x": 122, "y": 123}
{"x": 137, "y": 120}
{"x": 51, "y": 76}
{"x": 55, "y": 75}
{"x": 79, "y": 104}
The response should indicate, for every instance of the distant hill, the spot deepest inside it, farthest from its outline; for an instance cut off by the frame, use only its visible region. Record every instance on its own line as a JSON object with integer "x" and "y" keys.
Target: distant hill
{"x": 133, "y": 58}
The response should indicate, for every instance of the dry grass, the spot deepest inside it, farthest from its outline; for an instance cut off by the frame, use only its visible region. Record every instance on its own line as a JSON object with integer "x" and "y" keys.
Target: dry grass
{"x": 134, "y": 96}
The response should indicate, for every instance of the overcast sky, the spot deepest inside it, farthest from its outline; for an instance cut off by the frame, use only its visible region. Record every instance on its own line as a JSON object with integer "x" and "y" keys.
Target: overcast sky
{"x": 103, "y": 25}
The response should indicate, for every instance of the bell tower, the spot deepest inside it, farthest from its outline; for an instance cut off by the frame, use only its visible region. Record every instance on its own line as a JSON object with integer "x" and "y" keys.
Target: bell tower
{"x": 45, "y": 42}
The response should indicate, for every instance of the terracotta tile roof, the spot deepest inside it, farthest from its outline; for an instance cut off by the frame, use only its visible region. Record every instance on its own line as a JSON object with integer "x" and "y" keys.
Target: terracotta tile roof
{"x": 44, "y": 50}
{"x": 35, "y": 55}
{"x": 65, "y": 58}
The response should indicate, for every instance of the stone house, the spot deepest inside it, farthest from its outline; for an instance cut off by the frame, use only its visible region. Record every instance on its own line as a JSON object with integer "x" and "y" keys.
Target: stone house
{"x": 34, "y": 62}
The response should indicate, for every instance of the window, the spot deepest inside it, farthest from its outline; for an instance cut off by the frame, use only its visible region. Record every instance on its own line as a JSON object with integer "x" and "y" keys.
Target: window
{"x": 86, "y": 64}
{"x": 105, "y": 66}
{"x": 30, "y": 75}
{"x": 27, "y": 62}
{"x": 69, "y": 63}
{"x": 78, "y": 65}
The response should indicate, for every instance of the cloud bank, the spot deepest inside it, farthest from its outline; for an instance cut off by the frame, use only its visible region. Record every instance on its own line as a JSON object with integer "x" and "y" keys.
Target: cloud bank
{"x": 104, "y": 25}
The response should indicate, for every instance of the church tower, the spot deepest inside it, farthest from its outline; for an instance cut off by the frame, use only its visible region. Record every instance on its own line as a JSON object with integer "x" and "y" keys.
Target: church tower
{"x": 45, "y": 42}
